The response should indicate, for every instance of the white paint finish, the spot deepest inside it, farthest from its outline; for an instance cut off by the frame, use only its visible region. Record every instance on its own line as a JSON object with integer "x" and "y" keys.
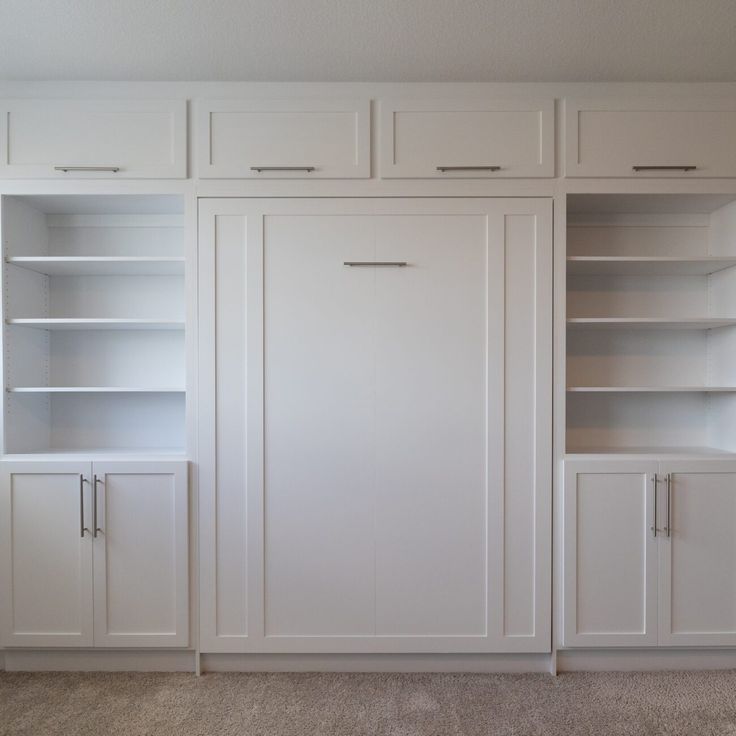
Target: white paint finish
{"x": 143, "y": 138}
{"x": 100, "y": 266}
{"x": 434, "y": 462}
{"x": 417, "y": 136}
{"x": 410, "y": 41}
{"x": 309, "y": 215}
{"x": 95, "y": 660}
{"x": 609, "y": 137}
{"x": 461, "y": 663}
{"x": 320, "y": 392}
{"x": 644, "y": 660}
{"x": 141, "y": 555}
{"x": 610, "y": 554}
{"x": 697, "y": 568}
{"x": 651, "y": 266}
{"x": 332, "y": 136}
{"x": 46, "y": 564}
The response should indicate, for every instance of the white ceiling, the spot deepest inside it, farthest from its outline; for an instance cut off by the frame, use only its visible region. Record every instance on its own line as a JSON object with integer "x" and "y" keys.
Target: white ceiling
{"x": 369, "y": 40}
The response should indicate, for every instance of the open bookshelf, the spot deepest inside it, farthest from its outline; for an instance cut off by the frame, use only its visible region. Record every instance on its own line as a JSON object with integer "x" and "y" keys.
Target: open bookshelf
{"x": 651, "y": 324}
{"x": 93, "y": 324}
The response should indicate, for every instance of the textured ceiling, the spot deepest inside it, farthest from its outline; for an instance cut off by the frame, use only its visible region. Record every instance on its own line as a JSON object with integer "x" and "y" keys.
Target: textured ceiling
{"x": 369, "y": 40}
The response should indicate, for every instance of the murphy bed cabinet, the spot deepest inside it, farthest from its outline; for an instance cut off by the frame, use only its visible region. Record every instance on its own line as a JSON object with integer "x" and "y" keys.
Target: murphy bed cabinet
{"x": 393, "y": 493}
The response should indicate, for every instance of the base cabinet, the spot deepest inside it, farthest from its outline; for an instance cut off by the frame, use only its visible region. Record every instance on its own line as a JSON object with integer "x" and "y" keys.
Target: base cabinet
{"x": 94, "y": 554}
{"x": 649, "y": 553}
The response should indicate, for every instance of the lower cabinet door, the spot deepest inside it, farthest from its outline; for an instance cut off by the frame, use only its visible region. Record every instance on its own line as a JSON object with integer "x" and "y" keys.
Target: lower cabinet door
{"x": 697, "y": 569}
{"x": 140, "y": 525}
{"x": 46, "y": 554}
{"x": 610, "y": 554}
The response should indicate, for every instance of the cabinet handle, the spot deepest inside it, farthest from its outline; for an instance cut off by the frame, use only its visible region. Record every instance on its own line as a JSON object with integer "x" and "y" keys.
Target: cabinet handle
{"x": 468, "y": 168}
{"x": 654, "y": 529}
{"x": 82, "y": 527}
{"x": 67, "y": 169}
{"x": 380, "y": 264}
{"x": 664, "y": 168}
{"x": 669, "y": 504}
{"x": 259, "y": 169}
{"x": 94, "y": 507}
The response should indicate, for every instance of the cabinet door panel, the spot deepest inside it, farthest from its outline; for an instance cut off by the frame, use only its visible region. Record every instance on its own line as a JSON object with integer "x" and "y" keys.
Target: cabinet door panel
{"x": 140, "y": 138}
{"x": 698, "y": 558}
{"x": 272, "y": 139}
{"x": 610, "y": 556}
{"x": 449, "y": 139}
{"x": 46, "y": 592}
{"x": 610, "y": 137}
{"x": 141, "y": 555}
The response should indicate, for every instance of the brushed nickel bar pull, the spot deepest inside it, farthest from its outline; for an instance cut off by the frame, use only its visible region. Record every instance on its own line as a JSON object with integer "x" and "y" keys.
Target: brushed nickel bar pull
{"x": 664, "y": 168}
{"x": 653, "y": 528}
{"x": 94, "y": 507}
{"x": 259, "y": 169}
{"x": 379, "y": 264}
{"x": 669, "y": 504}
{"x": 82, "y": 527}
{"x": 66, "y": 169}
{"x": 468, "y": 168}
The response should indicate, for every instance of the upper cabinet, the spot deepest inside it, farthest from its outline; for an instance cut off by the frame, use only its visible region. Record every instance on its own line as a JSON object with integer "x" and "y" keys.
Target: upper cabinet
{"x": 97, "y": 139}
{"x": 283, "y": 139}
{"x": 651, "y": 138}
{"x": 446, "y": 139}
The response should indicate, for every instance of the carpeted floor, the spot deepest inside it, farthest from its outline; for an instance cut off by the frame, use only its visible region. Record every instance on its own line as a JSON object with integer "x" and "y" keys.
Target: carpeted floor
{"x": 688, "y": 703}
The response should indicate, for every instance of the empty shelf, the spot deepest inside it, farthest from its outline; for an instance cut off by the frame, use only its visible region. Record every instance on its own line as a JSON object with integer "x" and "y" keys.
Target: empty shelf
{"x": 102, "y": 266}
{"x": 645, "y": 265}
{"x": 98, "y": 324}
{"x": 696, "y": 323}
{"x": 651, "y": 389}
{"x": 90, "y": 390}
{"x": 656, "y": 452}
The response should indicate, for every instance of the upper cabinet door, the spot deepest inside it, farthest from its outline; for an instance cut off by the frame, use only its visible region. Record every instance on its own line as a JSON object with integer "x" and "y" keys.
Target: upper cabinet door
{"x": 95, "y": 139}
{"x": 651, "y": 138}
{"x": 422, "y": 139}
{"x": 283, "y": 139}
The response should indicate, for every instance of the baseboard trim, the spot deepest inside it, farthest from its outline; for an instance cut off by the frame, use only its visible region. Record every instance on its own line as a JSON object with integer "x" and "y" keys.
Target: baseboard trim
{"x": 375, "y": 662}
{"x": 84, "y": 660}
{"x": 644, "y": 660}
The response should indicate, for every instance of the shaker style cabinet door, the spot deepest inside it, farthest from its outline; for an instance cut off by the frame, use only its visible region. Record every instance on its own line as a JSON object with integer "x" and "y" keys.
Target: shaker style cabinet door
{"x": 378, "y": 506}
{"x": 467, "y": 139}
{"x": 697, "y": 562}
{"x": 141, "y": 558}
{"x": 650, "y": 138}
{"x": 610, "y": 553}
{"x": 93, "y": 139}
{"x": 46, "y": 554}
{"x": 283, "y": 139}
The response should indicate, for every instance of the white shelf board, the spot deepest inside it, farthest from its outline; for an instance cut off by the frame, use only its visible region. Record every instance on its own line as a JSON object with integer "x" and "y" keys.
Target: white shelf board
{"x": 645, "y": 265}
{"x": 651, "y": 389}
{"x": 588, "y": 453}
{"x": 102, "y": 266}
{"x": 693, "y": 323}
{"x": 90, "y": 390}
{"x": 101, "y": 453}
{"x": 97, "y": 324}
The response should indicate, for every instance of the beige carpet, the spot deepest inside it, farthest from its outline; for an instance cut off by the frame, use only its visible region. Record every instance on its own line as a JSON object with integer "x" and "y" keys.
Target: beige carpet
{"x": 694, "y": 704}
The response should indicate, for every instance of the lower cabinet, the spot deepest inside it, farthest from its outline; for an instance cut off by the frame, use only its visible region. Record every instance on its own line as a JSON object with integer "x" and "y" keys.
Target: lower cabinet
{"x": 649, "y": 553}
{"x": 94, "y": 554}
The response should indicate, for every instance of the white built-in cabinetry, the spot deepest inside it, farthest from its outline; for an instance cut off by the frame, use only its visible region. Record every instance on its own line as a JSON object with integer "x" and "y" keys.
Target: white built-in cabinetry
{"x": 649, "y": 553}
{"x": 94, "y": 554}
{"x": 374, "y": 467}
{"x": 93, "y": 139}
